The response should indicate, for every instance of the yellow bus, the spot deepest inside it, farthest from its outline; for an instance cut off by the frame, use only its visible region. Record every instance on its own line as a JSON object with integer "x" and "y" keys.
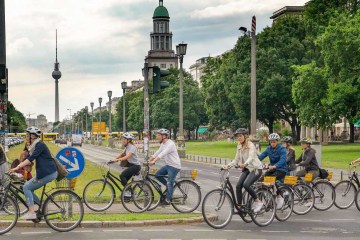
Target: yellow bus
{"x": 49, "y": 136}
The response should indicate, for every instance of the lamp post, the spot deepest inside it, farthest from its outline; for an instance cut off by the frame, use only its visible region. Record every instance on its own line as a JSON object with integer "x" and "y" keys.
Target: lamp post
{"x": 92, "y": 122}
{"x": 69, "y": 109}
{"x": 86, "y": 124}
{"x": 124, "y": 87}
{"x": 181, "y": 52}
{"x": 109, "y": 95}
{"x": 100, "y": 141}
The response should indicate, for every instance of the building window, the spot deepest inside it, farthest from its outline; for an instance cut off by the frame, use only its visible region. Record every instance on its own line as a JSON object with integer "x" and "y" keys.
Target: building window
{"x": 163, "y": 65}
{"x": 161, "y": 27}
{"x": 162, "y": 43}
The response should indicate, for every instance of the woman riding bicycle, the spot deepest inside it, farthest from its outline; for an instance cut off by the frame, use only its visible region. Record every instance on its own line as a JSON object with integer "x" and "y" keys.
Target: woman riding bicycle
{"x": 46, "y": 170}
{"x": 290, "y": 152}
{"x": 130, "y": 154}
{"x": 247, "y": 159}
{"x": 277, "y": 167}
{"x": 307, "y": 159}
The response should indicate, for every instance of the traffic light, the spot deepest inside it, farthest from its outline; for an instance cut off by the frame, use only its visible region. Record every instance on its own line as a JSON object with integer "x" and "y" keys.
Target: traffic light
{"x": 157, "y": 83}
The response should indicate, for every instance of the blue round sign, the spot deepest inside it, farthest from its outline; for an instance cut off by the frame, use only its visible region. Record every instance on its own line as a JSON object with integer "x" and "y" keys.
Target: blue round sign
{"x": 73, "y": 159}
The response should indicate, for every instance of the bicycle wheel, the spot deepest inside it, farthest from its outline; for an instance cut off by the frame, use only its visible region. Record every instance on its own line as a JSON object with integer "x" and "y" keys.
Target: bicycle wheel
{"x": 267, "y": 213}
{"x": 186, "y": 196}
{"x": 303, "y": 199}
{"x": 284, "y": 212}
{"x": 246, "y": 199}
{"x": 345, "y": 192}
{"x": 8, "y": 219}
{"x": 217, "y": 208}
{"x": 357, "y": 200}
{"x": 324, "y": 195}
{"x": 136, "y": 196}
{"x": 99, "y": 195}
{"x": 156, "y": 197}
{"x": 63, "y": 210}
{"x": 22, "y": 207}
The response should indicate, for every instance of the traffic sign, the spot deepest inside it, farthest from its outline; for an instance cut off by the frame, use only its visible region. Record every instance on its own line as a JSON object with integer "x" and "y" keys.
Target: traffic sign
{"x": 73, "y": 160}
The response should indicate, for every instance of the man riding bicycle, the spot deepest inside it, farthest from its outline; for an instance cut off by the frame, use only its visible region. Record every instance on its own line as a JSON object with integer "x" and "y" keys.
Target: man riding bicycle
{"x": 278, "y": 166}
{"x": 169, "y": 153}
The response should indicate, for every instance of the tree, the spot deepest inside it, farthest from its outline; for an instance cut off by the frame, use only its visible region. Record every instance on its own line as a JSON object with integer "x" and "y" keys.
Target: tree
{"x": 16, "y": 120}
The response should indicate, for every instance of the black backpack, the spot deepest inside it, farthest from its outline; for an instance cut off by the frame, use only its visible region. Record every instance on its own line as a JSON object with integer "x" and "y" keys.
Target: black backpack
{"x": 323, "y": 173}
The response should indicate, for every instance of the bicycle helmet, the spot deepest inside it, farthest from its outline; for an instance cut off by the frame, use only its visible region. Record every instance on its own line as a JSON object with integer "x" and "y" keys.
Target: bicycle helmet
{"x": 242, "y": 131}
{"x": 128, "y": 136}
{"x": 34, "y": 130}
{"x": 287, "y": 139}
{"x": 274, "y": 136}
{"x": 163, "y": 131}
{"x": 306, "y": 140}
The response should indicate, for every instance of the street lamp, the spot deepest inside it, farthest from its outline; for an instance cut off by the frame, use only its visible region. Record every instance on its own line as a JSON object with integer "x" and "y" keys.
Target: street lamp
{"x": 124, "y": 87}
{"x": 69, "y": 109}
{"x": 86, "y": 124}
{"x": 253, "y": 75}
{"x": 181, "y": 52}
{"x": 100, "y": 100}
{"x": 92, "y": 122}
{"x": 109, "y": 95}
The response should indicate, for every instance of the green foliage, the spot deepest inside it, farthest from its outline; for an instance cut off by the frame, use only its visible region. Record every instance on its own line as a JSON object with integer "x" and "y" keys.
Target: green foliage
{"x": 16, "y": 120}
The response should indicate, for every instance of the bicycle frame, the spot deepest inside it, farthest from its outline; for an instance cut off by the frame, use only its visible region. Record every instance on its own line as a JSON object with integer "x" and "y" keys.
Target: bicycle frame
{"x": 112, "y": 179}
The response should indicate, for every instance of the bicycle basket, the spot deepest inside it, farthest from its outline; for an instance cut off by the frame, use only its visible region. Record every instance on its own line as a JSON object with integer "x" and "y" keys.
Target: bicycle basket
{"x": 66, "y": 183}
{"x": 329, "y": 177}
{"x": 308, "y": 177}
{"x": 290, "y": 180}
{"x": 269, "y": 179}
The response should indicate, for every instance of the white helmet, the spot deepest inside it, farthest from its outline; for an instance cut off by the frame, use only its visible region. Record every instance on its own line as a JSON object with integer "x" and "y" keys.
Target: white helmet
{"x": 274, "y": 136}
{"x": 128, "y": 136}
{"x": 34, "y": 130}
{"x": 163, "y": 131}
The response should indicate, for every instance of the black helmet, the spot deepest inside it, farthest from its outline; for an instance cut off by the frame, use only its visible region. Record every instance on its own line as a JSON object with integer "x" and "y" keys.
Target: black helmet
{"x": 242, "y": 131}
{"x": 287, "y": 139}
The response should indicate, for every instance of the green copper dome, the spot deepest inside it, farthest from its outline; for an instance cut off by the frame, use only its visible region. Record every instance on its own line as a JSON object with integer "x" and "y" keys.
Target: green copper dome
{"x": 161, "y": 11}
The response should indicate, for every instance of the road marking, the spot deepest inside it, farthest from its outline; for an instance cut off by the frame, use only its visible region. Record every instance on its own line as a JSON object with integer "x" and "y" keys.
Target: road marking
{"x": 36, "y": 233}
{"x": 198, "y": 230}
{"x": 158, "y": 230}
{"x": 117, "y": 230}
{"x": 215, "y": 173}
{"x": 307, "y": 220}
{"x": 338, "y": 219}
{"x": 270, "y": 231}
{"x": 237, "y": 230}
{"x": 82, "y": 231}
{"x": 347, "y": 232}
{"x": 313, "y": 232}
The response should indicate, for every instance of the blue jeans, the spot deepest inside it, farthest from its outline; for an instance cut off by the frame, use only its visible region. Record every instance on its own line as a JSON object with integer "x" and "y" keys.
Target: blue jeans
{"x": 33, "y": 184}
{"x": 171, "y": 172}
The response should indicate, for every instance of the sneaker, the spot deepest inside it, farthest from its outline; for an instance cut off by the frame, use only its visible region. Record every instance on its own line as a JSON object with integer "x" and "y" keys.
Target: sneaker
{"x": 165, "y": 203}
{"x": 29, "y": 216}
{"x": 258, "y": 206}
{"x": 279, "y": 202}
{"x": 127, "y": 194}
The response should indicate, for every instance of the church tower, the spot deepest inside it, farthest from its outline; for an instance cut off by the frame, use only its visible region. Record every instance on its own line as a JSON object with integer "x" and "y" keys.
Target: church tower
{"x": 161, "y": 53}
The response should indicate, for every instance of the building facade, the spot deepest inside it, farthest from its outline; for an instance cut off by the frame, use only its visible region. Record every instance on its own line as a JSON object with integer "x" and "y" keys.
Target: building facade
{"x": 196, "y": 69}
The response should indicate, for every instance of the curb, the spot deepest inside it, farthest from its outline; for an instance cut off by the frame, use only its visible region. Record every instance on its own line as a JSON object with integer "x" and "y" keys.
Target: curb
{"x": 116, "y": 224}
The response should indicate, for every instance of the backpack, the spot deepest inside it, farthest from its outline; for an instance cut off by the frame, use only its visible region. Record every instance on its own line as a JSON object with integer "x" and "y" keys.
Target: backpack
{"x": 323, "y": 173}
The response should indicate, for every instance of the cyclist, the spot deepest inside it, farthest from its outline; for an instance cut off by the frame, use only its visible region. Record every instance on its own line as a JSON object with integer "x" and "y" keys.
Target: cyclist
{"x": 277, "y": 167}
{"x": 169, "y": 153}
{"x": 307, "y": 159}
{"x": 290, "y": 152}
{"x": 3, "y": 164}
{"x": 46, "y": 170}
{"x": 131, "y": 155}
{"x": 248, "y": 160}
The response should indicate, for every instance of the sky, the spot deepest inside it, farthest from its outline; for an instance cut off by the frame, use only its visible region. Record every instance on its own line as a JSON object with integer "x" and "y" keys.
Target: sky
{"x": 102, "y": 43}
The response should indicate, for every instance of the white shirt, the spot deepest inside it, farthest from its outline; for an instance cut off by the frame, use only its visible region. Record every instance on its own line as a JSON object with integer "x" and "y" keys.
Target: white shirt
{"x": 169, "y": 153}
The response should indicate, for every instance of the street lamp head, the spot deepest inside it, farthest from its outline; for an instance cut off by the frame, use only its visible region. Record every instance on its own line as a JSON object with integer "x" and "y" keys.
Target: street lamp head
{"x": 100, "y": 100}
{"x": 92, "y": 105}
{"x": 109, "y": 94}
{"x": 243, "y": 30}
{"x": 86, "y": 108}
{"x": 181, "y": 50}
{"x": 124, "y": 85}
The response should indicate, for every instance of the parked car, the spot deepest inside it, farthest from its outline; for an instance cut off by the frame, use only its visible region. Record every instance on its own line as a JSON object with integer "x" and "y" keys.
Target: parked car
{"x": 76, "y": 139}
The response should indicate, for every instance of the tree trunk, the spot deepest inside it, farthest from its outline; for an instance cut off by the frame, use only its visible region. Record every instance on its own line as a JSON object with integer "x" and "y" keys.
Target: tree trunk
{"x": 293, "y": 132}
{"x": 352, "y": 129}
{"x": 189, "y": 136}
{"x": 298, "y": 132}
{"x": 196, "y": 133}
{"x": 271, "y": 126}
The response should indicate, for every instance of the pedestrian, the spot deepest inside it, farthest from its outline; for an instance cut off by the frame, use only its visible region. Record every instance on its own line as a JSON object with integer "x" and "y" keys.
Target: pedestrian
{"x": 46, "y": 170}
{"x": 247, "y": 159}
{"x": 169, "y": 153}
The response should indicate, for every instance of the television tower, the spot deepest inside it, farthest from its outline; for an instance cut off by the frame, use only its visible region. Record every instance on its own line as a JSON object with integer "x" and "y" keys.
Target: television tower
{"x": 56, "y": 74}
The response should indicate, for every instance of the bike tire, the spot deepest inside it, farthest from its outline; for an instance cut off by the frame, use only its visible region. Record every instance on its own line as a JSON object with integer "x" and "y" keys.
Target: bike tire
{"x": 215, "y": 201}
{"x": 324, "y": 194}
{"x": 345, "y": 192}
{"x": 186, "y": 196}
{"x": 246, "y": 199}
{"x": 268, "y": 211}
{"x": 284, "y": 213}
{"x": 8, "y": 207}
{"x": 303, "y": 199}
{"x": 357, "y": 200}
{"x": 140, "y": 198}
{"x": 59, "y": 210}
{"x": 99, "y": 195}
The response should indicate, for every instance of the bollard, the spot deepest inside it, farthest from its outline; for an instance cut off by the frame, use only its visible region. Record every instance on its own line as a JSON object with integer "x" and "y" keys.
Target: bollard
{"x": 341, "y": 175}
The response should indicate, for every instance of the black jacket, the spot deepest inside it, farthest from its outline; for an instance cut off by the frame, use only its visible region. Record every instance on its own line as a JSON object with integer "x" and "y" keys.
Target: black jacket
{"x": 308, "y": 160}
{"x": 290, "y": 159}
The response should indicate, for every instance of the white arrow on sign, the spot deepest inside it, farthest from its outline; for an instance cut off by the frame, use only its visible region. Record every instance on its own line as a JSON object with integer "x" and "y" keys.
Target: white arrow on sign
{"x": 74, "y": 166}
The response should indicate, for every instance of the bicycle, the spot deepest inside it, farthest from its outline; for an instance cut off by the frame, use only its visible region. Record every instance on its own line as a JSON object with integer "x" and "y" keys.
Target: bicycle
{"x": 62, "y": 209}
{"x": 346, "y": 190}
{"x": 99, "y": 194}
{"x": 186, "y": 194}
{"x": 219, "y": 205}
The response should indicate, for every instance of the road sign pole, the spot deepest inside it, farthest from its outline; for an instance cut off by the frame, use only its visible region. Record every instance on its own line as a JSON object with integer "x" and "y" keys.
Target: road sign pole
{"x": 146, "y": 112}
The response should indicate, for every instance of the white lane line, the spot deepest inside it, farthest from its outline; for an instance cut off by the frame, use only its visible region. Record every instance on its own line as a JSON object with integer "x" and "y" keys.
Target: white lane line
{"x": 35, "y": 233}
{"x": 270, "y": 231}
{"x": 198, "y": 230}
{"x": 347, "y": 232}
{"x": 251, "y": 239}
{"x": 82, "y": 231}
{"x": 158, "y": 230}
{"x": 338, "y": 219}
{"x": 307, "y": 220}
{"x": 313, "y": 232}
{"x": 117, "y": 230}
{"x": 215, "y": 173}
{"x": 236, "y": 230}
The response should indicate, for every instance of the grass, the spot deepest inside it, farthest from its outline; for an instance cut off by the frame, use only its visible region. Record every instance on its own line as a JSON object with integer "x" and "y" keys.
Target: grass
{"x": 333, "y": 156}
